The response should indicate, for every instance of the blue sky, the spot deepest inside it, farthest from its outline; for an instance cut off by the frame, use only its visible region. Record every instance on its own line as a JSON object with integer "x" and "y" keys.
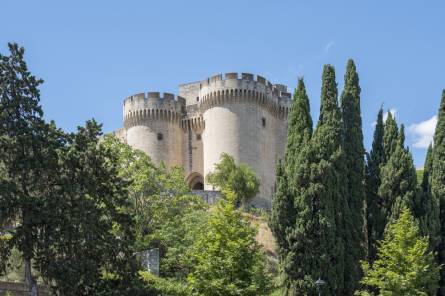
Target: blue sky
{"x": 92, "y": 54}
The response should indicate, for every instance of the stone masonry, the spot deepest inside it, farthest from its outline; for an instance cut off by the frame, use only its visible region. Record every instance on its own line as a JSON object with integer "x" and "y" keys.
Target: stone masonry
{"x": 240, "y": 114}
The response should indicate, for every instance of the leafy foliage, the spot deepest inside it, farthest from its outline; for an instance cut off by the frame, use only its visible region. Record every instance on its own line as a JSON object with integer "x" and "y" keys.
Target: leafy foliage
{"x": 225, "y": 257}
{"x": 239, "y": 179}
{"x": 61, "y": 191}
{"x": 167, "y": 216}
{"x": 28, "y": 155}
{"x": 89, "y": 232}
{"x": 404, "y": 265}
{"x": 165, "y": 285}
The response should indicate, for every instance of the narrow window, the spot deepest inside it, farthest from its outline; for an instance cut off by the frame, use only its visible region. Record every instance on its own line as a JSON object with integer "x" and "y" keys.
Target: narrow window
{"x": 198, "y": 137}
{"x": 197, "y": 99}
{"x": 160, "y": 137}
{"x": 264, "y": 121}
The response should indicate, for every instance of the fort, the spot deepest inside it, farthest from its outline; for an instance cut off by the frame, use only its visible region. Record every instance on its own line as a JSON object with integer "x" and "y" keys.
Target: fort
{"x": 241, "y": 114}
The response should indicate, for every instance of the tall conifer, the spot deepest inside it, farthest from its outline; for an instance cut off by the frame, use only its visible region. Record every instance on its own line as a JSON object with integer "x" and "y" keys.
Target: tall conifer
{"x": 283, "y": 209}
{"x": 427, "y": 207}
{"x": 390, "y": 135}
{"x": 300, "y": 127}
{"x": 354, "y": 174}
{"x": 318, "y": 236}
{"x": 282, "y": 216}
{"x": 438, "y": 184}
{"x": 374, "y": 160}
{"x": 398, "y": 176}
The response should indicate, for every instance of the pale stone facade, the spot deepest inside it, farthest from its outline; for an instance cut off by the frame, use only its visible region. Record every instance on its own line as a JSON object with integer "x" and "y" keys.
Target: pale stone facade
{"x": 240, "y": 114}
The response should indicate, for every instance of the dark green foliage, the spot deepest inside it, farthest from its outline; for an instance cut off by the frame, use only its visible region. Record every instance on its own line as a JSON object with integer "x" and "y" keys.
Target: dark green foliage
{"x": 283, "y": 210}
{"x": 317, "y": 239}
{"x": 374, "y": 160}
{"x": 299, "y": 129}
{"x": 426, "y": 208}
{"x": 354, "y": 174}
{"x": 287, "y": 181}
{"x": 427, "y": 168}
{"x": 61, "y": 191}
{"x": 90, "y": 233}
{"x": 282, "y": 216}
{"x": 398, "y": 177}
{"x": 28, "y": 156}
{"x": 390, "y": 136}
{"x": 438, "y": 184}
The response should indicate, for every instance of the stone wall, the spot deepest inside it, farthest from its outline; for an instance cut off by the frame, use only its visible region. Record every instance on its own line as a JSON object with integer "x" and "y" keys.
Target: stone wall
{"x": 246, "y": 119}
{"x": 241, "y": 114}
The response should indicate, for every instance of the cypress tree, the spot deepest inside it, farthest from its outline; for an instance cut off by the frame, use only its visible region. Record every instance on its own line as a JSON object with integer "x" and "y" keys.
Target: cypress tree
{"x": 354, "y": 174}
{"x": 300, "y": 127}
{"x": 427, "y": 168}
{"x": 282, "y": 216}
{"x": 329, "y": 169}
{"x": 283, "y": 209}
{"x": 317, "y": 239}
{"x": 374, "y": 160}
{"x": 398, "y": 179}
{"x": 438, "y": 184}
{"x": 390, "y": 136}
{"x": 427, "y": 208}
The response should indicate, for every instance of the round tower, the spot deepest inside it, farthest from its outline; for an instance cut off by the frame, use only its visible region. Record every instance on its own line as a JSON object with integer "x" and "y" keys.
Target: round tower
{"x": 245, "y": 117}
{"x": 153, "y": 125}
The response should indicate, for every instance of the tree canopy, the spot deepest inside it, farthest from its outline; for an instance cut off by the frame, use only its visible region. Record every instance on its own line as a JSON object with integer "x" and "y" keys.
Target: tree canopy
{"x": 404, "y": 264}
{"x": 240, "y": 179}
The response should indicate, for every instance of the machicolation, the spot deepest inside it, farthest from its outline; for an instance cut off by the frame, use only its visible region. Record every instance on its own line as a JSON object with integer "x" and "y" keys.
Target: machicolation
{"x": 243, "y": 114}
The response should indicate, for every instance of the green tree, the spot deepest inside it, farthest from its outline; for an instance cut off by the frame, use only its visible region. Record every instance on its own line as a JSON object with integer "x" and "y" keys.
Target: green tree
{"x": 282, "y": 216}
{"x": 438, "y": 184}
{"x": 90, "y": 234}
{"x": 354, "y": 174}
{"x": 299, "y": 128}
{"x": 167, "y": 216}
{"x": 427, "y": 209}
{"x": 398, "y": 180}
{"x": 390, "y": 135}
{"x": 404, "y": 264}
{"x": 239, "y": 179}
{"x": 28, "y": 150}
{"x": 374, "y": 160}
{"x": 226, "y": 259}
{"x": 283, "y": 210}
{"x": 317, "y": 238}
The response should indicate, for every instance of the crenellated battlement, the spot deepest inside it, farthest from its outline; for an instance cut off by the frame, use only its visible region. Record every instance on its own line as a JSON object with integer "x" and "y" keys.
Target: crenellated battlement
{"x": 237, "y": 76}
{"x": 143, "y": 106}
{"x": 242, "y": 114}
{"x": 247, "y": 87}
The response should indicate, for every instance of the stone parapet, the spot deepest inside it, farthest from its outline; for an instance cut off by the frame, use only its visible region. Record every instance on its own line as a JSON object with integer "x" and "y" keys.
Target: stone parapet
{"x": 220, "y": 88}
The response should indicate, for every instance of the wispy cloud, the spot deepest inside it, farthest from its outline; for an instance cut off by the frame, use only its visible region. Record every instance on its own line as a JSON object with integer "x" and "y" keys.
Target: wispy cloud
{"x": 328, "y": 46}
{"x": 423, "y": 132}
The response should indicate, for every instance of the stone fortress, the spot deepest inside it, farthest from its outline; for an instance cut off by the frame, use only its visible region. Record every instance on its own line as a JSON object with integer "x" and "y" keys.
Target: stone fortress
{"x": 240, "y": 114}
